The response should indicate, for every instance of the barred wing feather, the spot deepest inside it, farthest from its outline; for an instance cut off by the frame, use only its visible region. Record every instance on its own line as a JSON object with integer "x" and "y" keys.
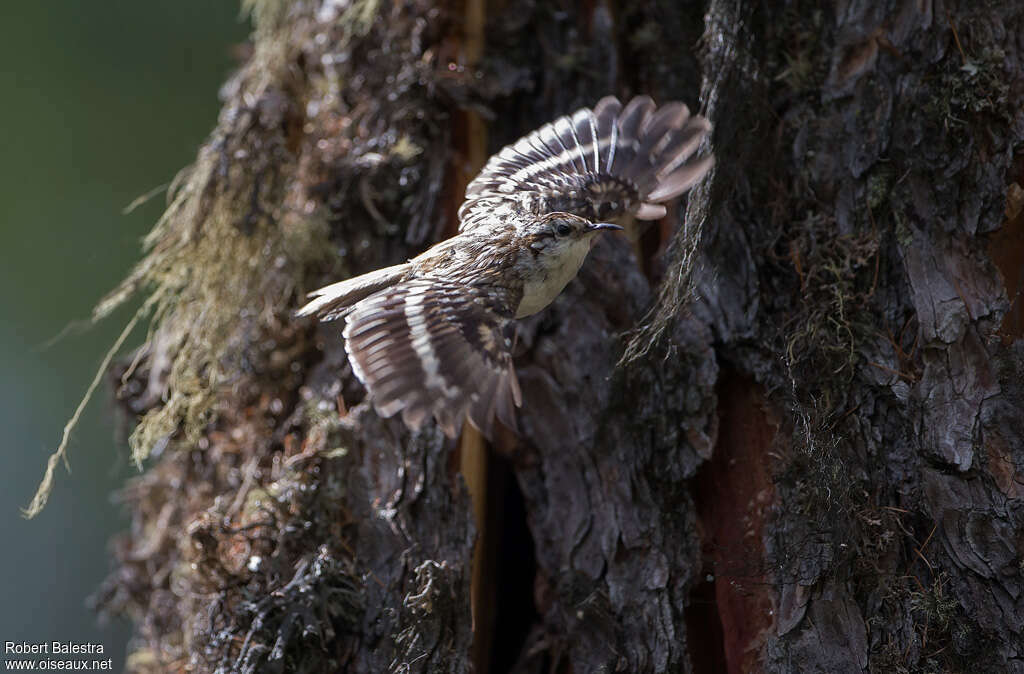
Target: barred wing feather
{"x": 427, "y": 347}
{"x": 598, "y": 164}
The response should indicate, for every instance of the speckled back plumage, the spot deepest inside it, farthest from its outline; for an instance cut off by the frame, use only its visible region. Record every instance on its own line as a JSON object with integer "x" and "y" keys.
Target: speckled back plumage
{"x": 427, "y": 337}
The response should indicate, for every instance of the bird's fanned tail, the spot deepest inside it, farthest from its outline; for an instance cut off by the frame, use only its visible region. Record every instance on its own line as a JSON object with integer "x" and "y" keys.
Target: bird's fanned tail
{"x": 337, "y": 299}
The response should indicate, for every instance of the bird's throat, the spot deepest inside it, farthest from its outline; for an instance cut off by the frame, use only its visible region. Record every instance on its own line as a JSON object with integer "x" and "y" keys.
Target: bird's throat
{"x": 553, "y": 273}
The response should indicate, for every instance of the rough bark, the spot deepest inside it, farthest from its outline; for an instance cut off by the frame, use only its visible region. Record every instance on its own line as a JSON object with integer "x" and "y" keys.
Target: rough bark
{"x": 867, "y": 307}
{"x": 809, "y": 458}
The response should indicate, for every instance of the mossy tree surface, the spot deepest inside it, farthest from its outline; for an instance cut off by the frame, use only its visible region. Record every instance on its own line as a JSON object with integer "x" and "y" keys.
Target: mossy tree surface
{"x": 788, "y": 439}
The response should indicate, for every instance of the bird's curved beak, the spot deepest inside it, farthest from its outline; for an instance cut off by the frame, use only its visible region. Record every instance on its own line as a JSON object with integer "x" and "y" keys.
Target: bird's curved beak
{"x": 598, "y": 226}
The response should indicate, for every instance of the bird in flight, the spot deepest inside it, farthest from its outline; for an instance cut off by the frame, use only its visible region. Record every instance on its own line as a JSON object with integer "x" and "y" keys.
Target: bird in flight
{"x": 427, "y": 337}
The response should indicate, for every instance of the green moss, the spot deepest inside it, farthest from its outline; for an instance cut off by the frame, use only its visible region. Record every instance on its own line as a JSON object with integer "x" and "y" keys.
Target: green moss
{"x": 267, "y": 15}
{"x": 980, "y": 84}
{"x": 971, "y": 89}
{"x": 935, "y": 605}
{"x": 879, "y": 185}
{"x": 303, "y": 177}
{"x": 360, "y": 15}
{"x": 804, "y": 66}
{"x": 942, "y": 639}
{"x": 836, "y": 281}
{"x": 904, "y": 235}
{"x": 218, "y": 265}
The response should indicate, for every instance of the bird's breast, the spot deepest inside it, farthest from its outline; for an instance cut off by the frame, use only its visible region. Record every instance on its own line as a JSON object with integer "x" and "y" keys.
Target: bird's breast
{"x": 550, "y": 276}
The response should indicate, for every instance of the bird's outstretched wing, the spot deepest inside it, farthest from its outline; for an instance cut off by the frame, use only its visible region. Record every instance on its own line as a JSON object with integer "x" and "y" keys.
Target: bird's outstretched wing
{"x": 429, "y": 347}
{"x": 599, "y": 164}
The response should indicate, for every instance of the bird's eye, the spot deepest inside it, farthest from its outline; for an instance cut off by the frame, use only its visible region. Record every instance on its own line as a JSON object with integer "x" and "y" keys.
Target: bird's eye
{"x": 563, "y": 229}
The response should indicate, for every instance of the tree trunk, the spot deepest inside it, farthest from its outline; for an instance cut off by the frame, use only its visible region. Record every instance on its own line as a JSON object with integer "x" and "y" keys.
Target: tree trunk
{"x": 781, "y": 434}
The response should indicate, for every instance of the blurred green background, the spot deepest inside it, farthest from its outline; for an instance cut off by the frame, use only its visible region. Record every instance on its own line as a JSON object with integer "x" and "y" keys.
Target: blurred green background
{"x": 101, "y": 102}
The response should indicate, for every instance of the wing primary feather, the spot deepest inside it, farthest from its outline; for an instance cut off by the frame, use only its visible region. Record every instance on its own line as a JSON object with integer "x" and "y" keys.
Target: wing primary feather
{"x": 566, "y": 134}
{"x": 606, "y": 112}
{"x": 431, "y": 348}
{"x": 683, "y": 144}
{"x": 664, "y": 120}
{"x": 612, "y": 144}
{"x": 630, "y": 121}
{"x": 544, "y": 151}
{"x": 681, "y": 180}
{"x": 481, "y": 411}
{"x": 580, "y": 143}
{"x": 608, "y": 108}
{"x": 651, "y": 212}
{"x": 552, "y": 130}
{"x": 595, "y": 140}
{"x": 633, "y": 117}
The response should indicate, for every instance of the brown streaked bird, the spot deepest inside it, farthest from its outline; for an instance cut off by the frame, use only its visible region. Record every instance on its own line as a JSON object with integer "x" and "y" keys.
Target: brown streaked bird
{"x": 426, "y": 337}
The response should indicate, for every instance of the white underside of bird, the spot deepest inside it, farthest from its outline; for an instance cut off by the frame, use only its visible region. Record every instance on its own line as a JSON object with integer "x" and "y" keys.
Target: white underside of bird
{"x": 542, "y": 288}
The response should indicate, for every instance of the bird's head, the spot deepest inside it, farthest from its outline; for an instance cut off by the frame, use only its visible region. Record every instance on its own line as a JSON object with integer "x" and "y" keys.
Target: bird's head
{"x": 559, "y": 234}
